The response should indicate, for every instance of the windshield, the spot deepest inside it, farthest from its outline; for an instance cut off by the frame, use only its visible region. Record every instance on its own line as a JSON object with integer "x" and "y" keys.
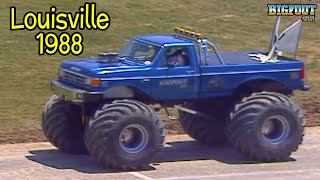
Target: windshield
{"x": 139, "y": 52}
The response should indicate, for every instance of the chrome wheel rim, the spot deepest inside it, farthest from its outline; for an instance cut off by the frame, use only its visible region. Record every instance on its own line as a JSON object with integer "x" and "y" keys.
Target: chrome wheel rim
{"x": 275, "y": 129}
{"x": 133, "y": 138}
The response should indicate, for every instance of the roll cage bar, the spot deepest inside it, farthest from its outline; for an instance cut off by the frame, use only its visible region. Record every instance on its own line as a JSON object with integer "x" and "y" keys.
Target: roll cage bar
{"x": 202, "y": 44}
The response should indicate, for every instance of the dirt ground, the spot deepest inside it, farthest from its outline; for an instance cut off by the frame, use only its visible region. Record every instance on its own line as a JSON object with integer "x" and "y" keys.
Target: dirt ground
{"x": 28, "y": 134}
{"x": 311, "y": 109}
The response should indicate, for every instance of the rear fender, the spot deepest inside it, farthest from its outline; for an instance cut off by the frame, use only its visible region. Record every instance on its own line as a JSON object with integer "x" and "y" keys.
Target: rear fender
{"x": 262, "y": 82}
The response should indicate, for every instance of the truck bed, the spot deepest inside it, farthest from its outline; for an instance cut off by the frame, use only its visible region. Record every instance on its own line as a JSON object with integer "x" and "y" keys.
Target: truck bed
{"x": 240, "y": 57}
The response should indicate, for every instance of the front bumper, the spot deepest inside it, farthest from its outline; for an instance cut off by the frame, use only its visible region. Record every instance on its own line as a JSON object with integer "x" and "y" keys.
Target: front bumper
{"x": 73, "y": 94}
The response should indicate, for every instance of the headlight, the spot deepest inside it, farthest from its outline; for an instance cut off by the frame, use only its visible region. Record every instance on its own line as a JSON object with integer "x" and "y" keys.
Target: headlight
{"x": 95, "y": 82}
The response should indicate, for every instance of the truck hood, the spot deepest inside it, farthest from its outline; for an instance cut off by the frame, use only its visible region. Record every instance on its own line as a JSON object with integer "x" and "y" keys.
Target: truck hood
{"x": 99, "y": 67}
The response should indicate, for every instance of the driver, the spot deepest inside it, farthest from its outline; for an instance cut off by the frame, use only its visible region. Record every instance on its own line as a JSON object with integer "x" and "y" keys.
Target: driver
{"x": 176, "y": 58}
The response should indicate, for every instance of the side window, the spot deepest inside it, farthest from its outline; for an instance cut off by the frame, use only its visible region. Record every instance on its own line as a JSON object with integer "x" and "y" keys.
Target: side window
{"x": 177, "y": 56}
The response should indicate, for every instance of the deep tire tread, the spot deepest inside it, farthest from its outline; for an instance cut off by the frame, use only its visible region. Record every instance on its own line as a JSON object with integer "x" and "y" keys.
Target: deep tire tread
{"x": 62, "y": 126}
{"x": 103, "y": 127}
{"x": 243, "y": 119}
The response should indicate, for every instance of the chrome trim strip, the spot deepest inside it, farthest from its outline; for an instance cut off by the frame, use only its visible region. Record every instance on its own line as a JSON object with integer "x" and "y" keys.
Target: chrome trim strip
{"x": 249, "y": 72}
{"x": 148, "y": 77}
{"x": 121, "y": 70}
{"x": 195, "y": 75}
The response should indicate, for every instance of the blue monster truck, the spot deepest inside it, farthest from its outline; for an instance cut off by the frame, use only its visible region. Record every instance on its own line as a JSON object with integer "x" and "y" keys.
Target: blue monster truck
{"x": 102, "y": 106}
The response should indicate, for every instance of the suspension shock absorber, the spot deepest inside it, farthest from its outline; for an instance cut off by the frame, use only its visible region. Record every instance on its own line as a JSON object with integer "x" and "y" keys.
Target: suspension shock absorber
{"x": 84, "y": 114}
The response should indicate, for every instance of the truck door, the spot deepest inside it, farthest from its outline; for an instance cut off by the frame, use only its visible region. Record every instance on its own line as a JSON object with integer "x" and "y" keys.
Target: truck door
{"x": 181, "y": 77}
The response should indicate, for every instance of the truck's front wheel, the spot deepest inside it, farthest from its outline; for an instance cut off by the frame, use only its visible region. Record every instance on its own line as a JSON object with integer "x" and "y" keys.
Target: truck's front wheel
{"x": 61, "y": 125}
{"x": 210, "y": 131}
{"x": 266, "y": 126}
{"x": 125, "y": 135}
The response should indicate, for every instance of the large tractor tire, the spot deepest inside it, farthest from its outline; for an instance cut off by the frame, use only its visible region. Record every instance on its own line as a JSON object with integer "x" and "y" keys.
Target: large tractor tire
{"x": 266, "y": 127}
{"x": 209, "y": 131}
{"x": 61, "y": 125}
{"x": 125, "y": 135}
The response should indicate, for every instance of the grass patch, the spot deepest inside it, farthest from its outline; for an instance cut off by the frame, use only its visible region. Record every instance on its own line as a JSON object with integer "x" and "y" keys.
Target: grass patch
{"x": 232, "y": 25}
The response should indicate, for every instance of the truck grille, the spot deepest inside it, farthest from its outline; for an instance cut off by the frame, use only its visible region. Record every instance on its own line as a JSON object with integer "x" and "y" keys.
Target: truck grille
{"x": 73, "y": 78}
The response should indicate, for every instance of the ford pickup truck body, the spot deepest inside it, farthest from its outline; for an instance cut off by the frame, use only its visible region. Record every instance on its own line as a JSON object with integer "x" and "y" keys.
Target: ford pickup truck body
{"x": 214, "y": 78}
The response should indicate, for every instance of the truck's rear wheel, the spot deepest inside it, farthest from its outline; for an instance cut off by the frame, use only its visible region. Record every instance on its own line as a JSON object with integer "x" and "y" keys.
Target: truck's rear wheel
{"x": 266, "y": 126}
{"x": 125, "y": 135}
{"x": 204, "y": 130}
{"x": 61, "y": 125}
